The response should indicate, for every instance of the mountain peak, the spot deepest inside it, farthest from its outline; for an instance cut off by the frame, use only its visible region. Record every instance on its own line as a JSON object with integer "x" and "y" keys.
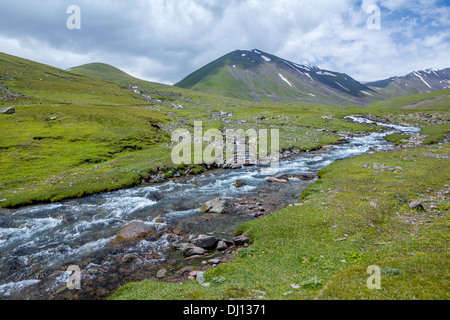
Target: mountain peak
{"x": 260, "y": 76}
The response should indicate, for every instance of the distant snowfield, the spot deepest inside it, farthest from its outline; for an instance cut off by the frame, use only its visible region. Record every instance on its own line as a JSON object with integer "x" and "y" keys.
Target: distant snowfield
{"x": 266, "y": 58}
{"x": 325, "y": 73}
{"x": 284, "y": 79}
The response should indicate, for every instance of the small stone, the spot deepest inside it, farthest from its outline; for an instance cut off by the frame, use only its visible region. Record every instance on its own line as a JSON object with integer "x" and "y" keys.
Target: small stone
{"x": 129, "y": 257}
{"x": 161, "y": 273}
{"x": 193, "y": 251}
{"x": 275, "y": 180}
{"x": 9, "y": 110}
{"x": 240, "y": 240}
{"x": 185, "y": 270}
{"x": 214, "y": 261}
{"x": 239, "y": 183}
{"x": 221, "y": 245}
{"x": 205, "y": 242}
{"x": 307, "y": 176}
{"x": 416, "y": 205}
{"x": 215, "y": 206}
{"x": 134, "y": 230}
{"x": 282, "y": 176}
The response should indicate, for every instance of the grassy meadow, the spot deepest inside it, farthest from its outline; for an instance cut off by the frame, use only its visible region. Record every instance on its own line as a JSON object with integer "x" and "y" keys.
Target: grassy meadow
{"x": 74, "y": 134}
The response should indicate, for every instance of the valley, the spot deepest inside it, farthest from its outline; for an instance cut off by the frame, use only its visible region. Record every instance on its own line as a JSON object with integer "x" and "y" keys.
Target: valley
{"x": 93, "y": 143}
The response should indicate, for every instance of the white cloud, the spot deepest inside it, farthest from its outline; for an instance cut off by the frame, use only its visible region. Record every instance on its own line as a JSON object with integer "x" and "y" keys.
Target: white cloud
{"x": 164, "y": 41}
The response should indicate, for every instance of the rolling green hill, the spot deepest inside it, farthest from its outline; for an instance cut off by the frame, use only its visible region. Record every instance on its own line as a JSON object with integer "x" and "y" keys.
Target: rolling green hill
{"x": 105, "y": 72}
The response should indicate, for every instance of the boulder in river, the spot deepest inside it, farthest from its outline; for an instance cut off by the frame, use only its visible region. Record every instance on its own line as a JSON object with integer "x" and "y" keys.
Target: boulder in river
{"x": 215, "y": 206}
{"x": 205, "y": 242}
{"x": 221, "y": 245}
{"x": 282, "y": 176}
{"x": 239, "y": 183}
{"x": 307, "y": 176}
{"x": 240, "y": 240}
{"x": 134, "y": 230}
{"x": 275, "y": 180}
{"x": 193, "y": 251}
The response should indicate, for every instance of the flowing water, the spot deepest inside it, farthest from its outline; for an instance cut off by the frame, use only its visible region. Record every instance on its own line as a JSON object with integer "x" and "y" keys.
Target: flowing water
{"x": 38, "y": 243}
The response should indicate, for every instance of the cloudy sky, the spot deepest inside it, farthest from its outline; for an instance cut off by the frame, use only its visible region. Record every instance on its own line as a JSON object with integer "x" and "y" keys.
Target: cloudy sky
{"x": 165, "y": 40}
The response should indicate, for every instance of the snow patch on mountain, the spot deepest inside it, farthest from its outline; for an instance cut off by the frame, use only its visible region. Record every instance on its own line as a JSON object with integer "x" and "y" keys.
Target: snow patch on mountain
{"x": 415, "y": 73}
{"x": 309, "y": 76}
{"x": 325, "y": 73}
{"x": 284, "y": 79}
{"x": 342, "y": 86}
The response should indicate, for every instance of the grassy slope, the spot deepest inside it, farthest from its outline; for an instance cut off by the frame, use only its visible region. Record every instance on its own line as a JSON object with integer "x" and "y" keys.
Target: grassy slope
{"x": 106, "y": 138}
{"x": 86, "y": 149}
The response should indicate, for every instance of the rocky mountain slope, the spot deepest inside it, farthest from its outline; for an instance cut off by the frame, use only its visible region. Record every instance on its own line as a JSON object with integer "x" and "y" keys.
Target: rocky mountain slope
{"x": 259, "y": 76}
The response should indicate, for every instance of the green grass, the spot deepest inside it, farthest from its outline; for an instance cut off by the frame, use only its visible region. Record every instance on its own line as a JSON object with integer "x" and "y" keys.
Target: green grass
{"x": 421, "y": 277}
{"x": 79, "y": 153}
{"x": 337, "y": 228}
{"x": 441, "y": 101}
{"x": 397, "y": 138}
{"x": 435, "y": 133}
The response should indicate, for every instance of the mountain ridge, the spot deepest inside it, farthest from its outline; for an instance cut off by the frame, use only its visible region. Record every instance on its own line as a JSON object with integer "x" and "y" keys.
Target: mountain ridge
{"x": 260, "y": 76}
{"x": 419, "y": 81}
